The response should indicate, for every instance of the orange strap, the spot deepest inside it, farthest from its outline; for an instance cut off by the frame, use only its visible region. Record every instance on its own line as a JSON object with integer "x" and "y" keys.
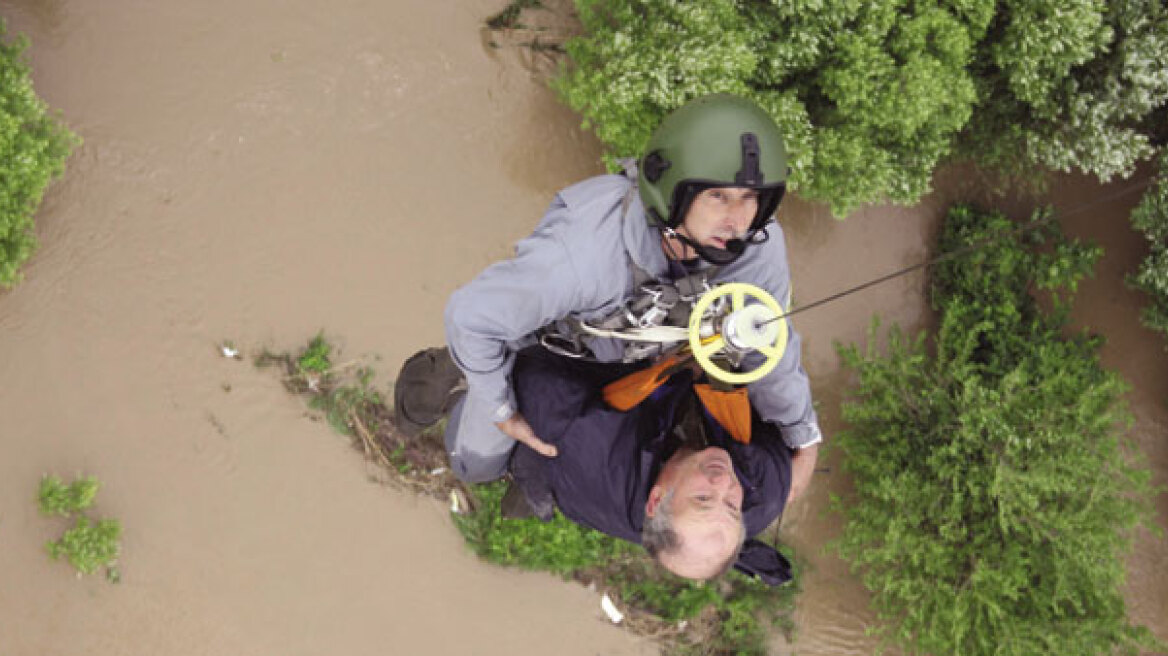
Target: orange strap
{"x": 731, "y": 409}
{"x": 625, "y": 393}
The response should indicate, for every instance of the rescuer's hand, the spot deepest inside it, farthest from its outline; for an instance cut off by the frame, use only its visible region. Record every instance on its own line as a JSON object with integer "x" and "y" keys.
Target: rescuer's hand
{"x": 802, "y": 467}
{"x": 519, "y": 430}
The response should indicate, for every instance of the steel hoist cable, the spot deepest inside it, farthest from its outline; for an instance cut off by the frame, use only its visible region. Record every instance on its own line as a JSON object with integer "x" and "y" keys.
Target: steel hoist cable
{"x": 964, "y": 250}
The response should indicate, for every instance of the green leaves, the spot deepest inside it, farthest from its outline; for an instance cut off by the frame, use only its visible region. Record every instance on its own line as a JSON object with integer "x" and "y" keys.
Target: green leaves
{"x": 314, "y": 359}
{"x": 90, "y": 544}
{"x": 873, "y": 96}
{"x": 1151, "y": 218}
{"x": 994, "y": 497}
{"x": 33, "y": 149}
{"x": 57, "y": 498}
{"x": 730, "y": 617}
{"x": 869, "y": 94}
{"x": 1069, "y": 86}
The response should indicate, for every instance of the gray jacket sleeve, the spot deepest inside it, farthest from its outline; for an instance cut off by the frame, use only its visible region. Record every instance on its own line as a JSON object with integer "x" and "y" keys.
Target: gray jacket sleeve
{"x": 782, "y": 397}
{"x": 506, "y": 302}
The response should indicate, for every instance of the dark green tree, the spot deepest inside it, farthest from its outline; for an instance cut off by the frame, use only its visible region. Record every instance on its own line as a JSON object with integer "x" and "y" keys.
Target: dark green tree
{"x": 33, "y": 149}
{"x": 994, "y": 496}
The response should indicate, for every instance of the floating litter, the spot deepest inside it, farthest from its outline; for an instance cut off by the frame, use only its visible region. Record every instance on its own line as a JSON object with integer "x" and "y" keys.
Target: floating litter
{"x": 610, "y": 609}
{"x": 229, "y": 351}
{"x": 458, "y": 504}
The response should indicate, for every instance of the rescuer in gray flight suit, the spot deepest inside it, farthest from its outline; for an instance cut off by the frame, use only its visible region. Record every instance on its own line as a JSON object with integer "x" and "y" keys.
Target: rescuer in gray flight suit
{"x": 631, "y": 249}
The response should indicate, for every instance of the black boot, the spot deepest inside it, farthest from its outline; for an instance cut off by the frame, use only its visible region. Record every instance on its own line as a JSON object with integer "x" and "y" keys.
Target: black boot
{"x": 426, "y": 388}
{"x": 528, "y": 493}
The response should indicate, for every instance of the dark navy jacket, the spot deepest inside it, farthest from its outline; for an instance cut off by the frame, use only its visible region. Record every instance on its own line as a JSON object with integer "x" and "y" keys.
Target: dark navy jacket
{"x": 608, "y": 459}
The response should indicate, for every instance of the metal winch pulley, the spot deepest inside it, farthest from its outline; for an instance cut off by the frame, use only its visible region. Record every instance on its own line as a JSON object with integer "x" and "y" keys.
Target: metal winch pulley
{"x": 652, "y": 306}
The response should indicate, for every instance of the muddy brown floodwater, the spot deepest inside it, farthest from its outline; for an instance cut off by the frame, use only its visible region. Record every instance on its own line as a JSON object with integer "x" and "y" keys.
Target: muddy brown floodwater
{"x": 260, "y": 170}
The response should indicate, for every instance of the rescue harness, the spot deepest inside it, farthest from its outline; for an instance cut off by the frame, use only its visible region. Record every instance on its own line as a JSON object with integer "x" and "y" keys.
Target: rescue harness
{"x": 679, "y": 323}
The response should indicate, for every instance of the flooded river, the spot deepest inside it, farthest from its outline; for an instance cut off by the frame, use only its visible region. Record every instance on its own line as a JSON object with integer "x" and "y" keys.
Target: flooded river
{"x": 258, "y": 171}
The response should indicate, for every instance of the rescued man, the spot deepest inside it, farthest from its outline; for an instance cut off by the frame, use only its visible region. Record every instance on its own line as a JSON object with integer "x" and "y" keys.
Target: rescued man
{"x": 636, "y": 248}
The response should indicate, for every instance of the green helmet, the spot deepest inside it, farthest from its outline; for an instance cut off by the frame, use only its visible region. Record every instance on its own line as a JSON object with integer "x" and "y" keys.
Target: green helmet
{"x": 718, "y": 140}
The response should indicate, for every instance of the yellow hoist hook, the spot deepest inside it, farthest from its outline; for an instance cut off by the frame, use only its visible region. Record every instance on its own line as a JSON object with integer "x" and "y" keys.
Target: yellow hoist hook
{"x": 745, "y": 328}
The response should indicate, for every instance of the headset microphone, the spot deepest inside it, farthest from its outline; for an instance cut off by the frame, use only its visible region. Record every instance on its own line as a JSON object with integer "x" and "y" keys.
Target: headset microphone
{"x": 736, "y": 246}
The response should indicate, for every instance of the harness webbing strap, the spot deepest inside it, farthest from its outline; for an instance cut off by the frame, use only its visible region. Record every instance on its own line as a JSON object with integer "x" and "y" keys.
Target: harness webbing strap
{"x": 650, "y": 302}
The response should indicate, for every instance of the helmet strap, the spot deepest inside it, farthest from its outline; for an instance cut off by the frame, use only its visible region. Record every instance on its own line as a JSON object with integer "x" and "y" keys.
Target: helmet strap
{"x": 684, "y": 194}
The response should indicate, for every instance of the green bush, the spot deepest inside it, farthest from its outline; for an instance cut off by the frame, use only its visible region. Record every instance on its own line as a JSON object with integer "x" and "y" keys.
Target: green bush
{"x": 315, "y": 358}
{"x": 994, "y": 499}
{"x": 90, "y": 544}
{"x": 33, "y": 149}
{"x": 872, "y": 96}
{"x": 735, "y": 614}
{"x": 56, "y": 498}
{"x": 1151, "y": 218}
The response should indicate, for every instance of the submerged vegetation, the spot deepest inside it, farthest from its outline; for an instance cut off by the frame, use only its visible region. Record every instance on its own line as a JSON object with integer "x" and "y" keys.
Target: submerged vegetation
{"x": 90, "y": 544}
{"x": 33, "y": 149}
{"x": 346, "y": 399}
{"x": 995, "y": 498}
{"x": 732, "y": 616}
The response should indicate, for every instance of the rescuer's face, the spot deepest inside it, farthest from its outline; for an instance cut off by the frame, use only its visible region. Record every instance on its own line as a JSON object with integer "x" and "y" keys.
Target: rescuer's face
{"x": 720, "y": 214}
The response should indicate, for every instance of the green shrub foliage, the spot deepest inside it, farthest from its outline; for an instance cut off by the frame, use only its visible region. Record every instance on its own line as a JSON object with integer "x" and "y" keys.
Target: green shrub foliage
{"x": 54, "y": 497}
{"x": 33, "y": 149}
{"x": 1070, "y": 86}
{"x": 868, "y": 94}
{"x": 872, "y": 96}
{"x": 994, "y": 499}
{"x": 731, "y": 617}
{"x": 90, "y": 544}
{"x": 1151, "y": 218}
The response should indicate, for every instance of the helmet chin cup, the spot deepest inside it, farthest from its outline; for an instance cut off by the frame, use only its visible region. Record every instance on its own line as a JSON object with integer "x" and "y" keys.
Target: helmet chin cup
{"x": 717, "y": 256}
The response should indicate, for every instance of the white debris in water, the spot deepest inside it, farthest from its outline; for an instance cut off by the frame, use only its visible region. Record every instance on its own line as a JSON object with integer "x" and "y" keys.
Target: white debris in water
{"x": 458, "y": 504}
{"x": 610, "y": 609}
{"x": 229, "y": 351}
{"x": 682, "y": 624}
{"x": 313, "y": 383}
{"x": 438, "y": 471}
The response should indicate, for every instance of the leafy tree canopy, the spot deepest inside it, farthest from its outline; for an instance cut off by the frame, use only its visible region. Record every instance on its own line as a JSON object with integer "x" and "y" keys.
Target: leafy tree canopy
{"x": 994, "y": 498}
{"x": 872, "y": 96}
